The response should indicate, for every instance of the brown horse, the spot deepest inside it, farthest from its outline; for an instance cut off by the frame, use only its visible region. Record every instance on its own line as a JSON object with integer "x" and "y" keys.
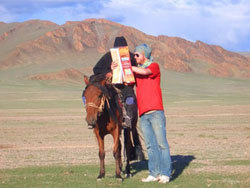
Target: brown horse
{"x": 104, "y": 115}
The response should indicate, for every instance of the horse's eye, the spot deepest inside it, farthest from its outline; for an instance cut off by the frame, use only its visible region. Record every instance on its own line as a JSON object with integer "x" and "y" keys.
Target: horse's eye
{"x": 100, "y": 96}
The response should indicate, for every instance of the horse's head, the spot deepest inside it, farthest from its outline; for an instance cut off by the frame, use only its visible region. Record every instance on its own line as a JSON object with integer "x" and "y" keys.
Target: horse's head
{"x": 95, "y": 95}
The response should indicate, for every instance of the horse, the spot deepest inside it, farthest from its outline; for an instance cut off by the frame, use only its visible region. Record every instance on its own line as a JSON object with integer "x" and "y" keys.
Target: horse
{"x": 104, "y": 116}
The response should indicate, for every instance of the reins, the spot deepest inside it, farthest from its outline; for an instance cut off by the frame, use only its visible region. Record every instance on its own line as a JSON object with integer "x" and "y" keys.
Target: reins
{"x": 106, "y": 102}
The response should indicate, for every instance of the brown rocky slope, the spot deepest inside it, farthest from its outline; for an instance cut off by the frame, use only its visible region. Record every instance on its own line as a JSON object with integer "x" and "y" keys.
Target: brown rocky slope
{"x": 98, "y": 34}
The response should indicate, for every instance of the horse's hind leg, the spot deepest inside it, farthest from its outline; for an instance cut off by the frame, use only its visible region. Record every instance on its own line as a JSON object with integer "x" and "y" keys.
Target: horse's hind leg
{"x": 101, "y": 155}
{"x": 117, "y": 154}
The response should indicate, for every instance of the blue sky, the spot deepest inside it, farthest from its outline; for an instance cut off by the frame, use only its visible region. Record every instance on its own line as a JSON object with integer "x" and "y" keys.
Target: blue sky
{"x": 221, "y": 22}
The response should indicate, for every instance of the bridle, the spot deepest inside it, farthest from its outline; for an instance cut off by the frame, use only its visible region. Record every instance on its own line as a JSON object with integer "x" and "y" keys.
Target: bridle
{"x": 101, "y": 106}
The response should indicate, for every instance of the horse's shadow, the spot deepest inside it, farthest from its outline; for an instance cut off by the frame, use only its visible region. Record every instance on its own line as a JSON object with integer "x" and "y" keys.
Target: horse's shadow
{"x": 179, "y": 163}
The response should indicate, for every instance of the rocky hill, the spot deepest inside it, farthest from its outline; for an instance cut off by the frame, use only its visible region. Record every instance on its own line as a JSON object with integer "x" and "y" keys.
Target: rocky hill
{"x": 37, "y": 42}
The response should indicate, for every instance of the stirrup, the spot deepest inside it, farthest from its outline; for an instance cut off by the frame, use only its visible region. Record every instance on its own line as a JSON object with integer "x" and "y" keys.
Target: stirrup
{"x": 126, "y": 123}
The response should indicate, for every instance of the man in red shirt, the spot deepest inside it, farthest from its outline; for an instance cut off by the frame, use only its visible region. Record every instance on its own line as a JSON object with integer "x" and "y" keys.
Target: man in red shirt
{"x": 151, "y": 112}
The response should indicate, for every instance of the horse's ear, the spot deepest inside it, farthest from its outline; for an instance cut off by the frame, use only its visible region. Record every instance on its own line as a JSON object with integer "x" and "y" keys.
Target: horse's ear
{"x": 86, "y": 79}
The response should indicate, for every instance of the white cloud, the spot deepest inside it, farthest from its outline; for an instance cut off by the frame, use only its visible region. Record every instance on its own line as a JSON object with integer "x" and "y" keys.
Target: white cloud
{"x": 5, "y": 15}
{"x": 222, "y": 22}
{"x": 215, "y": 22}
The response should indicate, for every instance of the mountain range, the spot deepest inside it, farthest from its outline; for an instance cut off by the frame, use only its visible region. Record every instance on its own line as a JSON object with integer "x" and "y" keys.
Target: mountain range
{"x": 73, "y": 48}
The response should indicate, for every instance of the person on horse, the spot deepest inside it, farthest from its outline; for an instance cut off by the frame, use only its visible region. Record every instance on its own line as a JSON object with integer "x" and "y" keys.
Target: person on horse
{"x": 126, "y": 95}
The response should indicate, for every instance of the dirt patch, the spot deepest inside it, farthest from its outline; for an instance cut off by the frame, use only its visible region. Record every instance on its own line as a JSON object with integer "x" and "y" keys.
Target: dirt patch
{"x": 66, "y": 74}
{"x": 38, "y": 137}
{"x": 5, "y": 146}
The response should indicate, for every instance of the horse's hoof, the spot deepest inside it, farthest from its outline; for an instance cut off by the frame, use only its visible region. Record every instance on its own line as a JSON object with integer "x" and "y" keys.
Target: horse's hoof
{"x": 119, "y": 178}
{"x": 100, "y": 177}
{"x": 128, "y": 175}
{"x": 90, "y": 127}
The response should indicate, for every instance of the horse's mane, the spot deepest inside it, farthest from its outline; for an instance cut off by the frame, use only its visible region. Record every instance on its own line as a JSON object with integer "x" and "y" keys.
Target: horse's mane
{"x": 97, "y": 78}
{"x": 96, "y": 81}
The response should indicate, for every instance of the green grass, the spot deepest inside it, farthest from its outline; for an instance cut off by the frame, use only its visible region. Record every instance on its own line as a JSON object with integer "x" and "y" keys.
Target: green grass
{"x": 194, "y": 92}
{"x": 188, "y": 89}
{"x": 237, "y": 162}
{"x": 85, "y": 176}
{"x": 179, "y": 89}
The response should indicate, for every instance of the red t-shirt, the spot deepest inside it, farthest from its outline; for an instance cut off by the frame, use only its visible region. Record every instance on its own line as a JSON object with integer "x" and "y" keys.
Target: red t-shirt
{"x": 148, "y": 90}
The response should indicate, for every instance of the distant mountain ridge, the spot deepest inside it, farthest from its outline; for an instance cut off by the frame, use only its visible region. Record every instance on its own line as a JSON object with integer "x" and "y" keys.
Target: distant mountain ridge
{"x": 246, "y": 54}
{"x": 36, "y": 41}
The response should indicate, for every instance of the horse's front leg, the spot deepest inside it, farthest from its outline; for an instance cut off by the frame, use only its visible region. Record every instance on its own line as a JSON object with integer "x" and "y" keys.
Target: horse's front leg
{"x": 100, "y": 140}
{"x": 117, "y": 152}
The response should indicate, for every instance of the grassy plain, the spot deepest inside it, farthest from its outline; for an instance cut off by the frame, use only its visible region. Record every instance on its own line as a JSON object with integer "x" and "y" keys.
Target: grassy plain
{"x": 44, "y": 140}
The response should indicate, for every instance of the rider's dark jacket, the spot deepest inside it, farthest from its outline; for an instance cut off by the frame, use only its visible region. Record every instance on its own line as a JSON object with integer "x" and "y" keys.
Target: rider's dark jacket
{"x": 103, "y": 66}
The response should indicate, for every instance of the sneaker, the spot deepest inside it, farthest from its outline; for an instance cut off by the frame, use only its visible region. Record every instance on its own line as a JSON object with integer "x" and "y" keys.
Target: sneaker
{"x": 149, "y": 179}
{"x": 164, "y": 179}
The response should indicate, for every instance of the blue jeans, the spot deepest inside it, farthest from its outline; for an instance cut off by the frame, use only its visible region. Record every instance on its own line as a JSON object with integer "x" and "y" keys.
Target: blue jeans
{"x": 153, "y": 127}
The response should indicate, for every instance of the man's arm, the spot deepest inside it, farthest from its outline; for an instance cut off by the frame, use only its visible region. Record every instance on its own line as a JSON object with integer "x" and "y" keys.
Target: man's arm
{"x": 142, "y": 71}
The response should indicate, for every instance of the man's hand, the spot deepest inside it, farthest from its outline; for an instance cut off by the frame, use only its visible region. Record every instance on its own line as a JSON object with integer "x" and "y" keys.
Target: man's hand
{"x": 109, "y": 78}
{"x": 113, "y": 65}
{"x": 109, "y": 75}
